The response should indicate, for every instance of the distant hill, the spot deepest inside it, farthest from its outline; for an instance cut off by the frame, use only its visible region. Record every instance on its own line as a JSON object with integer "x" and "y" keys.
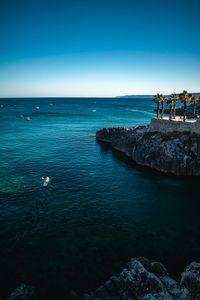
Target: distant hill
{"x": 135, "y": 96}
{"x": 148, "y": 96}
{"x": 196, "y": 94}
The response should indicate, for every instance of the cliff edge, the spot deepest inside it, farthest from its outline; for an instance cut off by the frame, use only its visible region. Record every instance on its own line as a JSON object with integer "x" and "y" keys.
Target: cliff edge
{"x": 175, "y": 152}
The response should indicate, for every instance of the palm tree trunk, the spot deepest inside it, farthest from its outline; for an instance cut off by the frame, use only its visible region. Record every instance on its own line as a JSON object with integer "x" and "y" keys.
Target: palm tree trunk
{"x": 194, "y": 109}
{"x": 184, "y": 117}
{"x": 170, "y": 112}
{"x": 162, "y": 109}
{"x": 174, "y": 111}
{"x": 158, "y": 110}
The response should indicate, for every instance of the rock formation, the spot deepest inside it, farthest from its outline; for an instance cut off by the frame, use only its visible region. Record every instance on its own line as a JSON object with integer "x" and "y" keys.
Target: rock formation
{"x": 170, "y": 152}
{"x": 141, "y": 280}
{"x": 23, "y": 292}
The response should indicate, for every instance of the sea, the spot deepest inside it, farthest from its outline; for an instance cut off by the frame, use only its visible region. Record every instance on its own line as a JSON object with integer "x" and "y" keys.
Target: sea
{"x": 99, "y": 210}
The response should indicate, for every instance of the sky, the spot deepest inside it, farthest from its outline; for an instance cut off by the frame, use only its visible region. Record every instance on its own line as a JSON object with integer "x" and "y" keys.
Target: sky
{"x": 98, "y": 48}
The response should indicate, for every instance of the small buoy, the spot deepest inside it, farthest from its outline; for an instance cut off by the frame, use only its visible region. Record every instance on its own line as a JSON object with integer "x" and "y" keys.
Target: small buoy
{"x": 28, "y": 118}
{"x": 37, "y": 107}
{"x": 21, "y": 116}
{"x": 1, "y": 105}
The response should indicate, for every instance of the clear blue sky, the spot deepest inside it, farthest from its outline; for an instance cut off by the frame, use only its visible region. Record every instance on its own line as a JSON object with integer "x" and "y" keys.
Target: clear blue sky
{"x": 98, "y": 47}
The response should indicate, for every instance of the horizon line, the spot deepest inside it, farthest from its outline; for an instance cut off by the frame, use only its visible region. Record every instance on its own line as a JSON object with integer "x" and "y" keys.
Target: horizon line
{"x": 119, "y": 96}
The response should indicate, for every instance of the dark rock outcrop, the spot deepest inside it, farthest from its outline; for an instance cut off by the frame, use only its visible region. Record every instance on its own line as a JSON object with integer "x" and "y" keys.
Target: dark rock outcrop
{"x": 191, "y": 280}
{"x": 23, "y": 292}
{"x": 173, "y": 152}
{"x": 143, "y": 280}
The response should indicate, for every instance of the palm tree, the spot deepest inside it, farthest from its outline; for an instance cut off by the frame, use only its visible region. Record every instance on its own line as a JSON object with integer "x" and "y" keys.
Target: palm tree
{"x": 169, "y": 103}
{"x": 194, "y": 100}
{"x": 157, "y": 100}
{"x": 162, "y": 101}
{"x": 174, "y": 98}
{"x": 185, "y": 97}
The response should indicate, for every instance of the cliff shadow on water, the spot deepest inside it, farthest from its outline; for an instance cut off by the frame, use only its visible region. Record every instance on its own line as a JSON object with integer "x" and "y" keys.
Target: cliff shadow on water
{"x": 169, "y": 206}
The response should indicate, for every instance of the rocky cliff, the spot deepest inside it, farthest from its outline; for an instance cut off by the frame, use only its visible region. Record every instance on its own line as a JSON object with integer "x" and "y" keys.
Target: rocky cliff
{"x": 141, "y": 280}
{"x": 170, "y": 152}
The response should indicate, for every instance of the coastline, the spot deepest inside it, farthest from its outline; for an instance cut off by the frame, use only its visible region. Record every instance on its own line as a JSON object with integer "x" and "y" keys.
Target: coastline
{"x": 173, "y": 152}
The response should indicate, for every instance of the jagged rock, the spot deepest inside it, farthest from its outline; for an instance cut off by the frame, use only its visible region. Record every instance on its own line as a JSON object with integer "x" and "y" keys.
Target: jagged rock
{"x": 154, "y": 267}
{"x": 138, "y": 282}
{"x": 158, "y": 269}
{"x": 172, "y": 286}
{"x": 23, "y": 292}
{"x": 101, "y": 292}
{"x": 115, "y": 281}
{"x": 122, "y": 139}
{"x": 74, "y": 296}
{"x": 110, "y": 288}
{"x": 142, "y": 280}
{"x": 190, "y": 279}
{"x": 144, "y": 261}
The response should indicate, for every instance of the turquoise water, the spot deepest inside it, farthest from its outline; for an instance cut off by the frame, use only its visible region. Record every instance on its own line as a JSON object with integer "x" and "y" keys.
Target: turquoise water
{"x": 99, "y": 209}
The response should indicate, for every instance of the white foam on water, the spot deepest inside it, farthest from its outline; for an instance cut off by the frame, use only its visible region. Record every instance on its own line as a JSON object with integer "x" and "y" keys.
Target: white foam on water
{"x": 140, "y": 111}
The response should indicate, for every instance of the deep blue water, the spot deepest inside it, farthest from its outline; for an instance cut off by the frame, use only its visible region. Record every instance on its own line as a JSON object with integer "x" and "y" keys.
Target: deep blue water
{"x": 99, "y": 209}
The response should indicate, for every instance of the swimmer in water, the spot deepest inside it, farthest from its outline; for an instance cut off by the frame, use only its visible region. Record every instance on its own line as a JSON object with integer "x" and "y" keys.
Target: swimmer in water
{"x": 46, "y": 180}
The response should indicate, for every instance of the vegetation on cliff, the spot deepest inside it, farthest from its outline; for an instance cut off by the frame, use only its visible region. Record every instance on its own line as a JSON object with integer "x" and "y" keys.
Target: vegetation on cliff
{"x": 172, "y": 100}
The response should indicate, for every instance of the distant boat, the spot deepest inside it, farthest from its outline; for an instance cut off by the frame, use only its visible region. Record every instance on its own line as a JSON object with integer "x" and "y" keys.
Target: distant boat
{"x": 28, "y": 118}
{"x": 94, "y": 110}
{"x": 21, "y": 116}
{"x": 51, "y": 104}
{"x": 37, "y": 107}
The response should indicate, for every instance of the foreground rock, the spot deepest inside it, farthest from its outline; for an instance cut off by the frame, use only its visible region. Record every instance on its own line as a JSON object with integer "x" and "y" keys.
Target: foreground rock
{"x": 170, "y": 152}
{"x": 23, "y": 292}
{"x": 143, "y": 280}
